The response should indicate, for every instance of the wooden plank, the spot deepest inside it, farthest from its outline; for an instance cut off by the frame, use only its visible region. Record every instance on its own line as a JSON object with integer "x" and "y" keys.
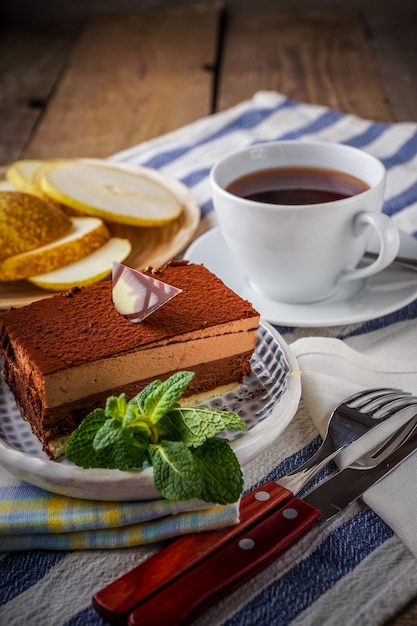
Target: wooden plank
{"x": 31, "y": 61}
{"x": 394, "y": 35}
{"x": 321, "y": 57}
{"x": 130, "y": 78}
{"x": 406, "y": 617}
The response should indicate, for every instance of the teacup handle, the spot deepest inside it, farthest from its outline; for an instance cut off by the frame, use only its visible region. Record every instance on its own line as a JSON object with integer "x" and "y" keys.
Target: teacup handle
{"x": 389, "y": 239}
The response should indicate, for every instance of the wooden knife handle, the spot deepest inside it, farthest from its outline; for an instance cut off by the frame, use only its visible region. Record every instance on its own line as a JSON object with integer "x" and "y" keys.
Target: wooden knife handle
{"x": 115, "y": 601}
{"x": 224, "y": 570}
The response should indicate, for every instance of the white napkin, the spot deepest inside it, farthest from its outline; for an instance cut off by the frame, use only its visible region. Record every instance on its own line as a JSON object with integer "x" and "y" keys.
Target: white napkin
{"x": 331, "y": 371}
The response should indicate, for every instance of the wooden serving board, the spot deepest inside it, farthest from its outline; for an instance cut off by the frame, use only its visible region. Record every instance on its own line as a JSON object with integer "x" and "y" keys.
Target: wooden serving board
{"x": 152, "y": 246}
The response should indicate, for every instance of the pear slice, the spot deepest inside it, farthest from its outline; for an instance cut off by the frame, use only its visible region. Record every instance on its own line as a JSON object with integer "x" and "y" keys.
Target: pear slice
{"x": 90, "y": 269}
{"x": 37, "y": 176}
{"x": 114, "y": 195}
{"x": 86, "y": 235}
{"x": 27, "y": 222}
{"x": 25, "y": 175}
{"x": 20, "y": 175}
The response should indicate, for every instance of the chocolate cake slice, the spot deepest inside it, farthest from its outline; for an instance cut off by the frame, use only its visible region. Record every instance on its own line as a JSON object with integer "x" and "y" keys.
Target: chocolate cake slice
{"x": 64, "y": 355}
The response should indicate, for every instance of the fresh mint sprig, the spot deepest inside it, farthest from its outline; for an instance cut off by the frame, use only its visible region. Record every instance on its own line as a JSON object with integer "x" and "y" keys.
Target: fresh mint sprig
{"x": 188, "y": 460}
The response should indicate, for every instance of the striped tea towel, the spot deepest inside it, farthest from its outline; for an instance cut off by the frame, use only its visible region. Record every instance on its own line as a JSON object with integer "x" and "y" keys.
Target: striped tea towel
{"x": 31, "y": 518}
{"x": 353, "y": 570}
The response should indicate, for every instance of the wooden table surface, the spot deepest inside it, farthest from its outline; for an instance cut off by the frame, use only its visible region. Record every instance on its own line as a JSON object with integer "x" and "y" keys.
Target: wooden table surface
{"x": 91, "y": 88}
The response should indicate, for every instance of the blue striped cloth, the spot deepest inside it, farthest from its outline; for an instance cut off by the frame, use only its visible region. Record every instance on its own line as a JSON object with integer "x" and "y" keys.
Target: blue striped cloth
{"x": 353, "y": 569}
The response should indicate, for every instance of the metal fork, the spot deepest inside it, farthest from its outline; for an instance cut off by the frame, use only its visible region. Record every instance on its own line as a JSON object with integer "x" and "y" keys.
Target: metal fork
{"x": 380, "y": 452}
{"x": 350, "y": 420}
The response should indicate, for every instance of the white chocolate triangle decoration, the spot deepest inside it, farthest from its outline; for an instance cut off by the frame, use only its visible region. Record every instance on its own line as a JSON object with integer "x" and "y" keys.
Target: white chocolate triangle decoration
{"x": 137, "y": 295}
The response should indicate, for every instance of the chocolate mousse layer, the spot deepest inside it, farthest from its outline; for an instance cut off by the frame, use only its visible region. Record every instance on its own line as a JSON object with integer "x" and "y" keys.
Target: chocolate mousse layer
{"x": 64, "y": 355}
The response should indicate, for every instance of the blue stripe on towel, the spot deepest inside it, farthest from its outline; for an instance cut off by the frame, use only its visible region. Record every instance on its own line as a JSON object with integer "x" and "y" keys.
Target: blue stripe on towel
{"x": 22, "y": 491}
{"x": 88, "y": 617}
{"x": 195, "y": 177}
{"x": 249, "y": 119}
{"x": 403, "y": 155}
{"x": 339, "y": 553}
{"x": 408, "y": 312}
{"x": 206, "y": 207}
{"x": 372, "y": 132}
{"x": 291, "y": 463}
{"x": 324, "y": 121}
{"x": 22, "y": 570}
{"x": 401, "y": 201}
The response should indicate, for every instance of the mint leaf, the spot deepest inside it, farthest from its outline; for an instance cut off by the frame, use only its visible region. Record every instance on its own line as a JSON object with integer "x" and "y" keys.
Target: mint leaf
{"x": 116, "y": 407}
{"x": 165, "y": 396}
{"x": 111, "y": 429}
{"x": 210, "y": 472}
{"x": 107, "y": 435}
{"x": 132, "y": 416}
{"x": 193, "y": 425}
{"x": 117, "y": 447}
{"x": 80, "y": 448}
{"x": 174, "y": 470}
{"x": 219, "y": 470}
{"x": 140, "y": 398}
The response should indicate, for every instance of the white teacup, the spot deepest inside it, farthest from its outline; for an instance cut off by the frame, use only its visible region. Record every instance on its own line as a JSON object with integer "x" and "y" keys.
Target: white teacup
{"x": 302, "y": 252}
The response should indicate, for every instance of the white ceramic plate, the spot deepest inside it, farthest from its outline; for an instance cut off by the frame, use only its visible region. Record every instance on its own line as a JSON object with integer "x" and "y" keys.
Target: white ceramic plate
{"x": 358, "y": 301}
{"x": 267, "y": 400}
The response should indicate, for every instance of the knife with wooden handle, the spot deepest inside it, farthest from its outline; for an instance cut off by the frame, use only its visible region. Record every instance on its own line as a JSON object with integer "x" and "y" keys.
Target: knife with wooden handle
{"x": 258, "y": 545}
{"x": 117, "y": 599}
{"x": 269, "y": 512}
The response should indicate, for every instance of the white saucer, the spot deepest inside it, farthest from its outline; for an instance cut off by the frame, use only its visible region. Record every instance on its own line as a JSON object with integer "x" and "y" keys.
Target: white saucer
{"x": 374, "y": 297}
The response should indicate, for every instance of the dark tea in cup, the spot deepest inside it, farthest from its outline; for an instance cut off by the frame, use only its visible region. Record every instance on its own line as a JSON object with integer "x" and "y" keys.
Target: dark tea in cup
{"x": 296, "y": 185}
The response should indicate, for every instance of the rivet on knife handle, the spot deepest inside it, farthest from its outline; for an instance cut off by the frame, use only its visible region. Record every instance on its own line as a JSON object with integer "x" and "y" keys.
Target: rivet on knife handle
{"x": 222, "y": 572}
{"x": 115, "y": 601}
